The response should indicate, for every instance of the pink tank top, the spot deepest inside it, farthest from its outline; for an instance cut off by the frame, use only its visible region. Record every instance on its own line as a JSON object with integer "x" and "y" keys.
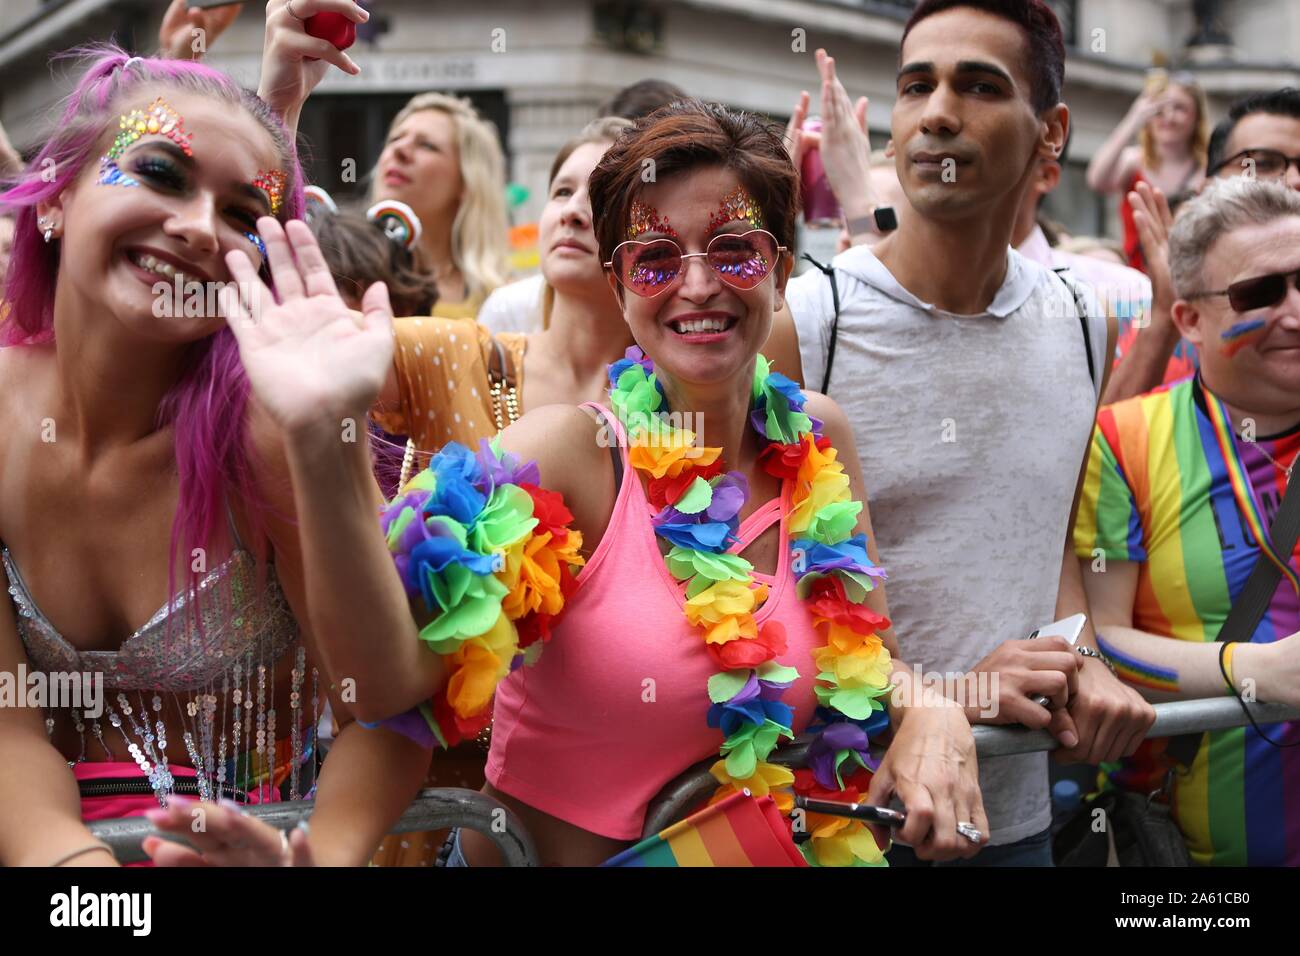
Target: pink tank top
{"x": 616, "y": 706}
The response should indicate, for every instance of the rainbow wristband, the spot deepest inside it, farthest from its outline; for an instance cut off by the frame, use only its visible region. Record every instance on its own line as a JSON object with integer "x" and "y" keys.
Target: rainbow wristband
{"x": 1225, "y": 665}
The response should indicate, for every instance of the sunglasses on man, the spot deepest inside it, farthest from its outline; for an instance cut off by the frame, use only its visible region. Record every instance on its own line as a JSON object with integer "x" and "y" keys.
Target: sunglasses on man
{"x": 1259, "y": 292}
{"x": 1265, "y": 163}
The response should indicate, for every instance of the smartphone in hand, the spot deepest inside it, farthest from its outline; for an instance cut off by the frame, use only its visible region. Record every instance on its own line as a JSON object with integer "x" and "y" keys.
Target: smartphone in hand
{"x": 1069, "y": 628}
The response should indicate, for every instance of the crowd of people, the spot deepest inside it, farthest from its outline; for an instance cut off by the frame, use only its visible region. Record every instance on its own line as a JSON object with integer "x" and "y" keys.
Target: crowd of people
{"x": 375, "y": 517}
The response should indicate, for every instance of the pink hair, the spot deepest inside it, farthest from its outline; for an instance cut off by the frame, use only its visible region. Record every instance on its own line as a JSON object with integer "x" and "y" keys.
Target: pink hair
{"x": 207, "y": 406}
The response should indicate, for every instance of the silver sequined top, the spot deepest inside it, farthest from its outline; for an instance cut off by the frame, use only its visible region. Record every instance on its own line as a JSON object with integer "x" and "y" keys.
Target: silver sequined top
{"x": 236, "y": 619}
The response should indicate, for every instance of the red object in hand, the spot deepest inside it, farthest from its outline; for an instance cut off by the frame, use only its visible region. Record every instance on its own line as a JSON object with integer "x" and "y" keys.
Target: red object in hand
{"x": 334, "y": 27}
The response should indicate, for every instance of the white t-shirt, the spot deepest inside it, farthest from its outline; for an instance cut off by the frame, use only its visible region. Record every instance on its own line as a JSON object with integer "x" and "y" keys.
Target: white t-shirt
{"x": 516, "y": 307}
{"x": 1123, "y": 291}
{"x": 971, "y": 430}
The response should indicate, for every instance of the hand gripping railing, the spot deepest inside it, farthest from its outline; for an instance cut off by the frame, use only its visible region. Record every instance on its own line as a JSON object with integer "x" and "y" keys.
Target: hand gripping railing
{"x": 431, "y": 810}
{"x": 450, "y": 807}
{"x": 1172, "y": 719}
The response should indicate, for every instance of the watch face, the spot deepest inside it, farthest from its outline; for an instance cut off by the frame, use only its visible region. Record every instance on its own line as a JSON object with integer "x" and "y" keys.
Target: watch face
{"x": 886, "y": 220}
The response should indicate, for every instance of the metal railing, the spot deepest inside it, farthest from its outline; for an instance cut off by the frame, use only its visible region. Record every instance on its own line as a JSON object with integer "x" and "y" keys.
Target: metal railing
{"x": 431, "y": 810}
{"x": 449, "y": 807}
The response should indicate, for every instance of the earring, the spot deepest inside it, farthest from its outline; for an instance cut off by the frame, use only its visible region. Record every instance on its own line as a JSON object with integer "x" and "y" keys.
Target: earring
{"x": 48, "y": 233}
{"x": 45, "y": 225}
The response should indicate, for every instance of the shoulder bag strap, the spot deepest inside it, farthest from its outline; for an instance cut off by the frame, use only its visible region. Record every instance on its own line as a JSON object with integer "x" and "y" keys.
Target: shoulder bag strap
{"x": 829, "y": 272}
{"x": 1245, "y": 614}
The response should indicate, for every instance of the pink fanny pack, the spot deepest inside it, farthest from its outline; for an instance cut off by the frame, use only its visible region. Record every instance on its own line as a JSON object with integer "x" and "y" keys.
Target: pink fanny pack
{"x": 113, "y": 790}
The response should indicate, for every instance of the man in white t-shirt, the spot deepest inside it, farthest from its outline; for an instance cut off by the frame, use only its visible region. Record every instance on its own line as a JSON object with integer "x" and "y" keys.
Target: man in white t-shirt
{"x": 972, "y": 387}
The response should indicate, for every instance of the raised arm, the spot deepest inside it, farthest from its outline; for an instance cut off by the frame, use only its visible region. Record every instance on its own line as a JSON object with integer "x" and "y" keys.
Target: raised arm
{"x": 188, "y": 33}
{"x": 1143, "y": 367}
{"x": 293, "y": 62}
{"x": 1115, "y": 160}
{"x": 846, "y": 151}
{"x": 316, "y": 368}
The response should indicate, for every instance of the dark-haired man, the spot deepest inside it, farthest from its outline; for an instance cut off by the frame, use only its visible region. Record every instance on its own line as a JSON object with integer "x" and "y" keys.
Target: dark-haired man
{"x": 965, "y": 368}
{"x": 641, "y": 99}
{"x": 1259, "y": 137}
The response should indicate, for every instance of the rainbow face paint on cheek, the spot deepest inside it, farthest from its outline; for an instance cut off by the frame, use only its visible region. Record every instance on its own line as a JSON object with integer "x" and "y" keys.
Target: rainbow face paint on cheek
{"x": 643, "y": 218}
{"x": 1242, "y": 334}
{"x": 158, "y": 119}
{"x": 737, "y": 206}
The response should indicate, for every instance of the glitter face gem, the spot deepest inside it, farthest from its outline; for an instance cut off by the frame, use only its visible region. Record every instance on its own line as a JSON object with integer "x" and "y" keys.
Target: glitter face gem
{"x": 158, "y": 119}
{"x": 110, "y": 174}
{"x": 644, "y": 218}
{"x": 645, "y": 276}
{"x": 271, "y": 182}
{"x": 737, "y": 206}
{"x": 256, "y": 240}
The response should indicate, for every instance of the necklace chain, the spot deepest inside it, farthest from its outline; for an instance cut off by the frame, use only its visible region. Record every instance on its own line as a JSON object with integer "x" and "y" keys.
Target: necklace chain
{"x": 1276, "y": 464}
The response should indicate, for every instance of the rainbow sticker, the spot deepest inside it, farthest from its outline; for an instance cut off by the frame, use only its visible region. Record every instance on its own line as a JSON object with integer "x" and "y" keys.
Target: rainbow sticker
{"x": 397, "y": 219}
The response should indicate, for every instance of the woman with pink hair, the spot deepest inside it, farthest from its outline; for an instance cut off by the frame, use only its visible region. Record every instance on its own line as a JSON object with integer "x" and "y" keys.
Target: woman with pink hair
{"x": 147, "y": 527}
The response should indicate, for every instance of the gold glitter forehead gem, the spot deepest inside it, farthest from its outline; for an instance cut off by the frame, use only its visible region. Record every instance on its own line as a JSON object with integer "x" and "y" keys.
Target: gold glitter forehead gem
{"x": 158, "y": 119}
{"x": 737, "y": 206}
{"x": 644, "y": 218}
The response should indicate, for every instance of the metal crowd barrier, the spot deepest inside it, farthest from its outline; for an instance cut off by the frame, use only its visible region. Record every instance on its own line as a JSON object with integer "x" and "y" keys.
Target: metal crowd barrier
{"x": 449, "y": 807}
{"x": 431, "y": 810}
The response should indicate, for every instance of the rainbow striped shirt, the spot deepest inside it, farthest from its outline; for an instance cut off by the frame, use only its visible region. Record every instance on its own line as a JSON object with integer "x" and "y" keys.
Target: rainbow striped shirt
{"x": 1157, "y": 493}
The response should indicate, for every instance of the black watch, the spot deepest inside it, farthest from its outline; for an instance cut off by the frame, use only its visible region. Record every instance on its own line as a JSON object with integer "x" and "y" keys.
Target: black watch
{"x": 882, "y": 217}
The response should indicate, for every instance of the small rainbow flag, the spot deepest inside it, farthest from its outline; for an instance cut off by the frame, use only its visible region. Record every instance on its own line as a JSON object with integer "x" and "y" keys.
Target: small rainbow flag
{"x": 740, "y": 830}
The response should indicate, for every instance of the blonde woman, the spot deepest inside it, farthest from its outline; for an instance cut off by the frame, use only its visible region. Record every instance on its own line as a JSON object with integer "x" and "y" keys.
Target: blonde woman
{"x": 1171, "y": 122}
{"x": 444, "y": 161}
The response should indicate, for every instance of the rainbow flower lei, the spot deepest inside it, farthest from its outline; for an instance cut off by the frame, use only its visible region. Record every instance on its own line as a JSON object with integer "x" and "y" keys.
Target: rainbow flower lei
{"x": 699, "y": 512}
{"x": 491, "y": 556}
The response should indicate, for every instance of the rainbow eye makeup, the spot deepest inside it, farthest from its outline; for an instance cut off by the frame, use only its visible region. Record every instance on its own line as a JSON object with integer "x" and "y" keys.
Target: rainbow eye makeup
{"x": 272, "y": 183}
{"x": 111, "y": 175}
{"x": 737, "y": 206}
{"x": 158, "y": 119}
{"x": 644, "y": 218}
{"x": 256, "y": 240}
